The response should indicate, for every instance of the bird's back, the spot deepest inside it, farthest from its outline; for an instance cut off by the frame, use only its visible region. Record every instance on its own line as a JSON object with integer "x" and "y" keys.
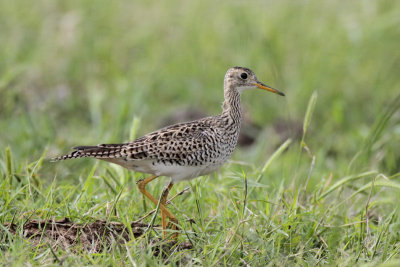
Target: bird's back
{"x": 181, "y": 151}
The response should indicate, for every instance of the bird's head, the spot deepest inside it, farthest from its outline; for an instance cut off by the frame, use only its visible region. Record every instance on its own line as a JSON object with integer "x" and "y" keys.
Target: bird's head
{"x": 241, "y": 79}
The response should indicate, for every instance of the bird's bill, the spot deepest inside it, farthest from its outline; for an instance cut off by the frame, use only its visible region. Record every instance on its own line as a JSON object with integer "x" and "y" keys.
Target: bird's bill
{"x": 268, "y": 88}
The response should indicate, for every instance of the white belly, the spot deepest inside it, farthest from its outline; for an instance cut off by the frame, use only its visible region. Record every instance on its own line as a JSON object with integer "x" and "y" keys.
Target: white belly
{"x": 181, "y": 173}
{"x": 176, "y": 172}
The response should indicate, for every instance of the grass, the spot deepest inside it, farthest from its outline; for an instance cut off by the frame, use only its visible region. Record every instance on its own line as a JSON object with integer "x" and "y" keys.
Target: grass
{"x": 88, "y": 72}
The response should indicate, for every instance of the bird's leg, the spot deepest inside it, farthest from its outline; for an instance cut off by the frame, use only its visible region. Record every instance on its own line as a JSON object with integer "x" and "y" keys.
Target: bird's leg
{"x": 142, "y": 188}
{"x": 163, "y": 216}
{"x": 173, "y": 219}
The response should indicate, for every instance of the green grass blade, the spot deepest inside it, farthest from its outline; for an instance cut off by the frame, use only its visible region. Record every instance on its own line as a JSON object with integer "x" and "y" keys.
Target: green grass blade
{"x": 381, "y": 123}
{"x": 9, "y": 167}
{"x": 380, "y": 183}
{"x": 309, "y": 113}
{"x": 345, "y": 180}
{"x": 275, "y": 155}
{"x": 134, "y": 128}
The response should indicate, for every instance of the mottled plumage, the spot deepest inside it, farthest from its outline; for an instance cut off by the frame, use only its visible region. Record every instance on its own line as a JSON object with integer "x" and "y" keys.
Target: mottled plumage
{"x": 185, "y": 150}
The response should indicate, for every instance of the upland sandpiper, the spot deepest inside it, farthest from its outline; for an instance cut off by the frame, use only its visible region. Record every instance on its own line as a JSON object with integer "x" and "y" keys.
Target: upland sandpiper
{"x": 182, "y": 151}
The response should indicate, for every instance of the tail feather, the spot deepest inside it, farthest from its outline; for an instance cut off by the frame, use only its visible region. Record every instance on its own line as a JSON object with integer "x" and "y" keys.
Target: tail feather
{"x": 100, "y": 151}
{"x": 73, "y": 155}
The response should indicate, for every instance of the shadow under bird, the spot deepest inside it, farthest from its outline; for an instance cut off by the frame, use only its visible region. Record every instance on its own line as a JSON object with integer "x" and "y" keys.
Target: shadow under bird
{"x": 182, "y": 151}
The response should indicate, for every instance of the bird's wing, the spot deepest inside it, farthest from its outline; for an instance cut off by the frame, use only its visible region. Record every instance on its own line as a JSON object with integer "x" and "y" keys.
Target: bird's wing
{"x": 176, "y": 142}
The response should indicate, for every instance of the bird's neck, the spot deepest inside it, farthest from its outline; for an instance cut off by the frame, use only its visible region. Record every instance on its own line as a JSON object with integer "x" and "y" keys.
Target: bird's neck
{"x": 232, "y": 104}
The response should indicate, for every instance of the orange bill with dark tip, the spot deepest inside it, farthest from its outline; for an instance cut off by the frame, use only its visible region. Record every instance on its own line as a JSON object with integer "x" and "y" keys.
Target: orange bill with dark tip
{"x": 268, "y": 88}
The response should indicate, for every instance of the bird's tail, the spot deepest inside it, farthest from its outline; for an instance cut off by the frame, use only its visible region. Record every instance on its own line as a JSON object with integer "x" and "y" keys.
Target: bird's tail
{"x": 100, "y": 151}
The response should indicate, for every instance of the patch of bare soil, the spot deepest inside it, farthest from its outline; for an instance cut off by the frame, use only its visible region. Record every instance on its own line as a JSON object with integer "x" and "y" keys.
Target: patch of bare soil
{"x": 92, "y": 237}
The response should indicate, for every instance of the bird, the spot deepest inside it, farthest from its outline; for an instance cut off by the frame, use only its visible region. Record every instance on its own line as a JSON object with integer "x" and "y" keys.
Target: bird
{"x": 182, "y": 151}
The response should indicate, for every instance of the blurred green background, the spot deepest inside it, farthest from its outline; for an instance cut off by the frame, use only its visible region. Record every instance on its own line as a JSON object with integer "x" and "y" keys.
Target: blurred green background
{"x": 89, "y": 72}
{"x": 79, "y": 72}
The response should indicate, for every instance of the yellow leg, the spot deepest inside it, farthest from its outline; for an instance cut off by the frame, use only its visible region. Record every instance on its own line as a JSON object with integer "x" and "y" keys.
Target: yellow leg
{"x": 164, "y": 212}
{"x": 164, "y": 221}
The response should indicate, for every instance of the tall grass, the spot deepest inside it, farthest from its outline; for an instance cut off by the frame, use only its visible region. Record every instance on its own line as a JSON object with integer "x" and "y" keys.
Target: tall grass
{"x": 76, "y": 73}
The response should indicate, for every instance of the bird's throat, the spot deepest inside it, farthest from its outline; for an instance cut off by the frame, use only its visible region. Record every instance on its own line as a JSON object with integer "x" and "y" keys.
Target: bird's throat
{"x": 232, "y": 104}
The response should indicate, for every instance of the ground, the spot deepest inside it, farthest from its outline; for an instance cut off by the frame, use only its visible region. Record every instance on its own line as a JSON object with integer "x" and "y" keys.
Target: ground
{"x": 316, "y": 182}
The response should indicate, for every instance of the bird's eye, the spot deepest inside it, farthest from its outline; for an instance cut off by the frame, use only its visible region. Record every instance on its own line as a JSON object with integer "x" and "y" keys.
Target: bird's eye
{"x": 243, "y": 75}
